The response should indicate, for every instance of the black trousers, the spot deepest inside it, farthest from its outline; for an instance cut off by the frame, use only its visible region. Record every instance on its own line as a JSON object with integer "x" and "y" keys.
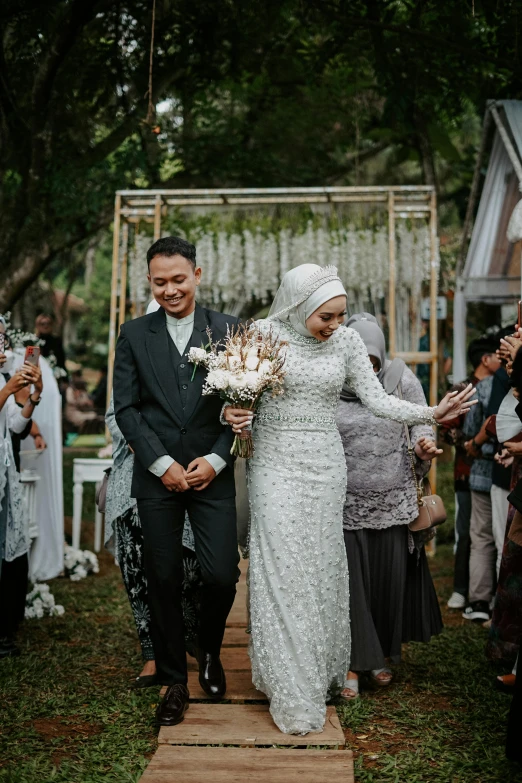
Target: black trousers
{"x": 462, "y": 525}
{"x": 13, "y": 589}
{"x": 214, "y": 525}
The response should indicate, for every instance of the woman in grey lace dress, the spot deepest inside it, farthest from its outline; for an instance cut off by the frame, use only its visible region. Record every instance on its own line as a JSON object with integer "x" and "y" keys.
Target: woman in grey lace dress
{"x": 124, "y": 536}
{"x": 299, "y": 590}
{"x": 392, "y": 597}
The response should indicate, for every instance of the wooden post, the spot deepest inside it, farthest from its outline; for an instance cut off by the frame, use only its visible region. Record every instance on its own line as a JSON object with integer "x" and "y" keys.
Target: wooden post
{"x": 157, "y": 217}
{"x": 434, "y": 361}
{"x": 392, "y": 315}
{"x": 123, "y": 276}
{"x": 114, "y": 293}
{"x": 434, "y": 283}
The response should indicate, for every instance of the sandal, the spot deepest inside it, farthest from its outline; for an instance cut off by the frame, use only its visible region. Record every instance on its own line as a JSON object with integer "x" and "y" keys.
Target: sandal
{"x": 350, "y": 690}
{"x": 505, "y": 683}
{"x": 376, "y": 676}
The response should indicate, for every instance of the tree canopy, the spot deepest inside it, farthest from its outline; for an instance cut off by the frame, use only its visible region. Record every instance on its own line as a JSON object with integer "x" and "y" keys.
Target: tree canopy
{"x": 248, "y": 92}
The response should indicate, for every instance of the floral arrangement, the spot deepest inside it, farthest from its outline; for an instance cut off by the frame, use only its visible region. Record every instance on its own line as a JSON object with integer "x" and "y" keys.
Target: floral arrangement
{"x": 245, "y": 262}
{"x": 58, "y": 372}
{"x": 17, "y": 337}
{"x": 244, "y": 367}
{"x": 20, "y": 339}
{"x": 79, "y": 563}
{"x": 40, "y": 601}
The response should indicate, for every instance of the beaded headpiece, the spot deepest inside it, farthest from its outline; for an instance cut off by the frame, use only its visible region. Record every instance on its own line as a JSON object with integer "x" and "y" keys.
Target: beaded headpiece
{"x": 325, "y": 274}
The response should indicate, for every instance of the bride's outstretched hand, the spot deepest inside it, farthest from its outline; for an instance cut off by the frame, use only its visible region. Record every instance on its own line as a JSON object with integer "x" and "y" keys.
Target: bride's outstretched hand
{"x": 238, "y": 418}
{"x": 454, "y": 404}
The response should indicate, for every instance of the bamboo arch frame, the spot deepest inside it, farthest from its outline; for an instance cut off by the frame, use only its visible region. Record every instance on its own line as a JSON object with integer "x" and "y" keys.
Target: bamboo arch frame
{"x": 404, "y": 201}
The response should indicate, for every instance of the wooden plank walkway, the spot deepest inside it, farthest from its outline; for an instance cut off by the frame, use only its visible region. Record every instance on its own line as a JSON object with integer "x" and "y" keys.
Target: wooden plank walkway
{"x": 247, "y": 725}
{"x": 239, "y": 688}
{"x": 256, "y": 765}
{"x": 246, "y": 730}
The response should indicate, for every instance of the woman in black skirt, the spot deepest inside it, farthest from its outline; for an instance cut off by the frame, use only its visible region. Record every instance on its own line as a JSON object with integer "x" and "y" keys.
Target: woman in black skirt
{"x": 392, "y": 597}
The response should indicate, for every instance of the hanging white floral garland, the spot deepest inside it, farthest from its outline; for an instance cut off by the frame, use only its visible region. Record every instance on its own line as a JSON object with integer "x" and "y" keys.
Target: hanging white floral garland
{"x": 249, "y": 265}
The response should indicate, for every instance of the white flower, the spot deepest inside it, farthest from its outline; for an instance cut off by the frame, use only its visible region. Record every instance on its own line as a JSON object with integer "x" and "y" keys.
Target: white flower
{"x": 234, "y": 362}
{"x": 265, "y": 368}
{"x": 57, "y": 610}
{"x": 237, "y": 381}
{"x": 197, "y": 356}
{"x": 218, "y": 379}
{"x": 251, "y": 379}
{"x": 252, "y": 361}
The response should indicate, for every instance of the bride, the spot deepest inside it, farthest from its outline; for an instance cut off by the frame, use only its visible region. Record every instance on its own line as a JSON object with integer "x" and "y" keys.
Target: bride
{"x": 299, "y": 599}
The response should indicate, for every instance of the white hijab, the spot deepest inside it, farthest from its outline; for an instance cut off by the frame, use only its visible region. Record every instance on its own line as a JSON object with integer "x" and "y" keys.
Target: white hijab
{"x": 302, "y": 291}
{"x": 152, "y": 307}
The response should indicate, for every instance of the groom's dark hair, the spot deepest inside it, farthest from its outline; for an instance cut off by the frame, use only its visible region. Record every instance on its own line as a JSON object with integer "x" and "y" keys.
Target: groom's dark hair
{"x": 172, "y": 246}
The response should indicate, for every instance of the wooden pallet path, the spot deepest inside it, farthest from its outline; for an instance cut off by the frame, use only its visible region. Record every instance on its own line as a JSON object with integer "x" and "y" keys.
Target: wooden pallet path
{"x": 246, "y": 730}
{"x": 247, "y": 725}
{"x": 173, "y": 764}
{"x": 236, "y": 637}
{"x": 234, "y": 659}
{"x": 239, "y": 688}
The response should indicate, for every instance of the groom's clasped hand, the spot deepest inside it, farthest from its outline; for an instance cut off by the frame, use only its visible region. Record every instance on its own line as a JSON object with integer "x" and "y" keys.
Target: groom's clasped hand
{"x": 197, "y": 475}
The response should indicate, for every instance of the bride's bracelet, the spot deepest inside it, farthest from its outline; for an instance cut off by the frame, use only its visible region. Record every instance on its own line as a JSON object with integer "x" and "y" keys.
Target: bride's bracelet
{"x": 222, "y": 419}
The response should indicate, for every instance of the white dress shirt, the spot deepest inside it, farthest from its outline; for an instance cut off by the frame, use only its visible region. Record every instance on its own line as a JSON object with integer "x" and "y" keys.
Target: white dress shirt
{"x": 180, "y": 331}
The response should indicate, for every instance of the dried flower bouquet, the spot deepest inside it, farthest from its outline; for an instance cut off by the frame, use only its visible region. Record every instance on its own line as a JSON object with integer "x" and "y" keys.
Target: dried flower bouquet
{"x": 246, "y": 365}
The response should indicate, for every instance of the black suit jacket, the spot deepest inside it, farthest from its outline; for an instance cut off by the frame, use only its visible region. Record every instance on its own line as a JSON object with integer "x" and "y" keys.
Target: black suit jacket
{"x": 148, "y": 407}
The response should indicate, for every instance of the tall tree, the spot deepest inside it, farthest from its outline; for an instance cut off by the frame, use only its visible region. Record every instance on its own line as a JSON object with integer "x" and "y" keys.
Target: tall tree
{"x": 252, "y": 92}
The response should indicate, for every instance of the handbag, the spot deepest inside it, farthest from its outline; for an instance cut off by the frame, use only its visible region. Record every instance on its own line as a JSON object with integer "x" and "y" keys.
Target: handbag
{"x": 431, "y": 507}
{"x": 101, "y": 494}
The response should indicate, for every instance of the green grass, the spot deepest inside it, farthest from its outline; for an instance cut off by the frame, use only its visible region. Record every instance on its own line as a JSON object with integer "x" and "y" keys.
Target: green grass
{"x": 67, "y": 715}
{"x": 441, "y": 721}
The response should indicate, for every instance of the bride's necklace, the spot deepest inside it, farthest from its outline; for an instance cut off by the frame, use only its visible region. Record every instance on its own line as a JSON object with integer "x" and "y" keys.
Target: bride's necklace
{"x": 300, "y": 338}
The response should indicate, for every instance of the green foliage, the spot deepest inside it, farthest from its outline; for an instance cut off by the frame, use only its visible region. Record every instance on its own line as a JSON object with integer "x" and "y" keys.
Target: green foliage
{"x": 261, "y": 93}
{"x": 93, "y": 326}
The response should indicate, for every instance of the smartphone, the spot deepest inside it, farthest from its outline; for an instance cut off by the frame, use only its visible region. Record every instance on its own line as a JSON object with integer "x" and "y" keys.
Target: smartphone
{"x": 519, "y": 317}
{"x": 32, "y": 355}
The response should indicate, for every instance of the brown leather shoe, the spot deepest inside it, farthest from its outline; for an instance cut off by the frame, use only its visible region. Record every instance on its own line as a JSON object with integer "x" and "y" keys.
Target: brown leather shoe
{"x": 173, "y": 706}
{"x": 211, "y": 675}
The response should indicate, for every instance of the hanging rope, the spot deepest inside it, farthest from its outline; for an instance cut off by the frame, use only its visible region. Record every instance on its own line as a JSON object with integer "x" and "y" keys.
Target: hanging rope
{"x": 151, "y": 109}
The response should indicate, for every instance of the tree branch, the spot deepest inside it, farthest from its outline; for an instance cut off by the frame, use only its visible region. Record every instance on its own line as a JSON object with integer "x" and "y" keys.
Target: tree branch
{"x": 116, "y": 137}
{"x": 354, "y": 157}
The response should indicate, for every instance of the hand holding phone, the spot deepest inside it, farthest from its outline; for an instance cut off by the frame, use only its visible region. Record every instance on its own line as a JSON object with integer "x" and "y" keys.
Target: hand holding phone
{"x": 32, "y": 355}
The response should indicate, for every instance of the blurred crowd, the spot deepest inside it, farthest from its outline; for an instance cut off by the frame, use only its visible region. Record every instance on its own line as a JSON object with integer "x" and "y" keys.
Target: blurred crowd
{"x": 487, "y": 580}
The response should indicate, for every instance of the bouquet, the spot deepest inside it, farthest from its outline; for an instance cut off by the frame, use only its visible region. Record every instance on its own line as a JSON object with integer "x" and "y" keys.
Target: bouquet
{"x": 244, "y": 367}
{"x": 79, "y": 563}
{"x": 40, "y": 601}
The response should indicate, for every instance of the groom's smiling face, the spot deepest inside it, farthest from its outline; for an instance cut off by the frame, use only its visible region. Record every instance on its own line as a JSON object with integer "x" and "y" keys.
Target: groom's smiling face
{"x": 173, "y": 280}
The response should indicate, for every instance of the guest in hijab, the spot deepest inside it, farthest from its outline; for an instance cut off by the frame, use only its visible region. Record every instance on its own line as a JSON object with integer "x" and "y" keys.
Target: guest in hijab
{"x": 392, "y": 597}
{"x": 14, "y": 527}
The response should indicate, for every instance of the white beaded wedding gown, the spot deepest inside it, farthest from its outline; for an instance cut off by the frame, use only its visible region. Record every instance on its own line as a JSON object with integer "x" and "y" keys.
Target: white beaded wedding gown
{"x": 299, "y": 596}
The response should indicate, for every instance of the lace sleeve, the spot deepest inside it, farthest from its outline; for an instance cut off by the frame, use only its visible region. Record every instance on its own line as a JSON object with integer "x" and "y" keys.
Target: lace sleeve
{"x": 362, "y": 379}
{"x": 15, "y": 421}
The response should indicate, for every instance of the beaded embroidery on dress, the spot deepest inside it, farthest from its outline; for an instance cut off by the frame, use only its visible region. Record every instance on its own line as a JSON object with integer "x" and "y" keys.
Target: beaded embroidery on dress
{"x": 299, "y": 590}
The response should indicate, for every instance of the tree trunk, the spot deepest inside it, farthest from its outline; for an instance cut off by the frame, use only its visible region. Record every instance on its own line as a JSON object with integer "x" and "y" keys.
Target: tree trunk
{"x": 23, "y": 270}
{"x": 425, "y": 150}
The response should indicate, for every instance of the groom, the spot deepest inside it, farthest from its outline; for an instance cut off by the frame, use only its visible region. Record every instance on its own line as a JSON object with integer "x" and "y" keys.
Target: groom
{"x": 182, "y": 463}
